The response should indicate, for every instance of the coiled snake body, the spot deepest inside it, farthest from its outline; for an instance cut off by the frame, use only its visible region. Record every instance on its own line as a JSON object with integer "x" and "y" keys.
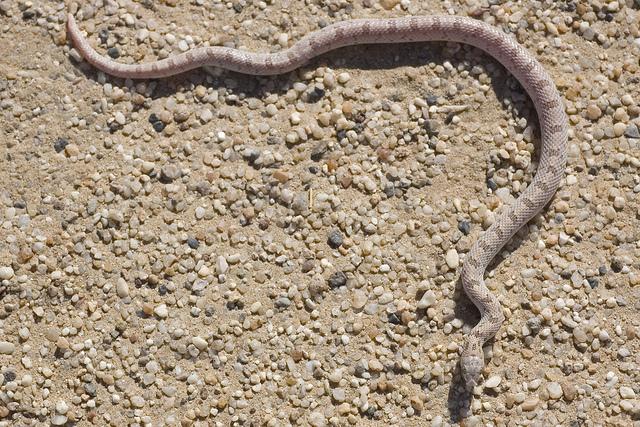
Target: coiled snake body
{"x": 526, "y": 69}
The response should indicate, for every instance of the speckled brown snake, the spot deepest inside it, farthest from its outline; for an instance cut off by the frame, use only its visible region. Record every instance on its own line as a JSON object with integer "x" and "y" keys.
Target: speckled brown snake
{"x": 504, "y": 48}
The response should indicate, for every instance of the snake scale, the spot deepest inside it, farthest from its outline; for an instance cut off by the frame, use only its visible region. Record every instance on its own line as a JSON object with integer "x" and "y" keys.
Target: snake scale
{"x": 516, "y": 59}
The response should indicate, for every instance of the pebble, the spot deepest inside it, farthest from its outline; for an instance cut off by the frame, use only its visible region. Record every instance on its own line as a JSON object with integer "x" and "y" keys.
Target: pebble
{"x": 337, "y": 280}
{"x": 593, "y": 112}
{"x": 627, "y": 392}
{"x": 389, "y": 4}
{"x": 555, "y": 390}
{"x": 60, "y": 144}
{"x": 452, "y": 259}
{"x": 530, "y": 404}
{"x": 335, "y": 239}
{"x": 493, "y": 381}
{"x": 6, "y": 273}
{"x": 59, "y": 420}
{"x": 569, "y": 391}
{"x": 427, "y": 300}
{"x": 631, "y": 131}
{"x": 200, "y": 343}
{"x": 169, "y": 173}
{"x": 317, "y": 419}
{"x": 359, "y": 299}
{"x": 338, "y": 394}
{"x": 122, "y": 288}
{"x": 7, "y": 347}
{"x": 191, "y": 242}
{"x": 222, "y": 266}
{"x": 161, "y": 311}
{"x": 137, "y": 402}
{"x": 375, "y": 365}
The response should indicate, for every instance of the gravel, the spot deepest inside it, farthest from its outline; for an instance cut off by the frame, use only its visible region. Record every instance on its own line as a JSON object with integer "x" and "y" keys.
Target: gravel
{"x": 286, "y": 250}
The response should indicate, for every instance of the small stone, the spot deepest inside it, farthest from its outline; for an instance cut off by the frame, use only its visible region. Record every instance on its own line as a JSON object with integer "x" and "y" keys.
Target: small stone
{"x": 193, "y": 243}
{"x": 120, "y": 118}
{"x": 7, "y": 347}
{"x": 337, "y": 279}
{"x": 62, "y": 343}
{"x": 627, "y": 392}
{"x": 158, "y": 126}
{"x": 200, "y": 343}
{"x": 169, "y": 173}
{"x": 137, "y": 401}
{"x": 569, "y": 391}
{"x": 122, "y": 288}
{"x": 200, "y": 212}
{"x": 222, "y": 266}
{"x": 147, "y": 167}
{"x": 593, "y": 112}
{"x": 452, "y": 258}
{"x": 282, "y": 302}
{"x": 464, "y": 227}
{"x": 204, "y": 271}
{"x": 632, "y": 131}
{"x": 555, "y": 390}
{"x": 206, "y": 115}
{"x": 427, "y": 300}
{"x": 579, "y": 335}
{"x": 307, "y": 266}
{"x": 181, "y": 114}
{"x": 389, "y": 4}
{"x": 339, "y": 394}
{"x": 386, "y": 298}
{"x": 530, "y": 404}
{"x": 113, "y": 52}
{"x": 317, "y": 419}
{"x": 59, "y": 420}
{"x": 619, "y": 129}
{"x": 255, "y": 307}
{"x": 629, "y": 406}
{"x": 416, "y": 403}
{"x": 52, "y": 334}
{"x": 335, "y": 239}
{"x": 60, "y": 144}
{"x": 375, "y": 365}
{"x": 318, "y": 150}
{"x": 472, "y": 421}
{"x": 359, "y": 299}
{"x": 161, "y": 311}
{"x": 6, "y": 273}
{"x": 493, "y": 381}
{"x": 62, "y": 407}
{"x": 281, "y": 176}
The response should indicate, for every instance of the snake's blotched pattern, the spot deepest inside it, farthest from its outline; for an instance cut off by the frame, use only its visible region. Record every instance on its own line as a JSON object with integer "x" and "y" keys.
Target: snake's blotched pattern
{"x": 503, "y": 47}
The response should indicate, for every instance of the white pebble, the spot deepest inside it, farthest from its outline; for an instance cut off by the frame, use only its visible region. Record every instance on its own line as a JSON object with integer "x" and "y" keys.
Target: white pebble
{"x": 59, "y": 420}
{"x": 427, "y": 300}
{"x": 6, "y": 273}
{"x": 627, "y": 392}
{"x": 555, "y": 390}
{"x": 452, "y": 258}
{"x": 200, "y": 343}
{"x": 161, "y": 311}
{"x": 493, "y": 381}
{"x": 7, "y": 347}
{"x": 222, "y": 265}
{"x": 122, "y": 288}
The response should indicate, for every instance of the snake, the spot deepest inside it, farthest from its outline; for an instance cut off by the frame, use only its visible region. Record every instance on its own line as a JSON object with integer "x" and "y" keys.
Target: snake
{"x": 499, "y": 44}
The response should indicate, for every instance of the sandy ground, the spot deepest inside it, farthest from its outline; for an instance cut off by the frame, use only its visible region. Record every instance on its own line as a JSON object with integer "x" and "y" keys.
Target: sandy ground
{"x": 221, "y": 249}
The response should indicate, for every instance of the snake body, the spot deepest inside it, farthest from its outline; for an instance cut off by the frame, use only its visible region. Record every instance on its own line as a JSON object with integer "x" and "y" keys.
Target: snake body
{"x": 516, "y": 59}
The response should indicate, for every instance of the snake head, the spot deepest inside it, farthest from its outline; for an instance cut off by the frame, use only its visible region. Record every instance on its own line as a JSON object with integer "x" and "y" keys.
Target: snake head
{"x": 471, "y": 367}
